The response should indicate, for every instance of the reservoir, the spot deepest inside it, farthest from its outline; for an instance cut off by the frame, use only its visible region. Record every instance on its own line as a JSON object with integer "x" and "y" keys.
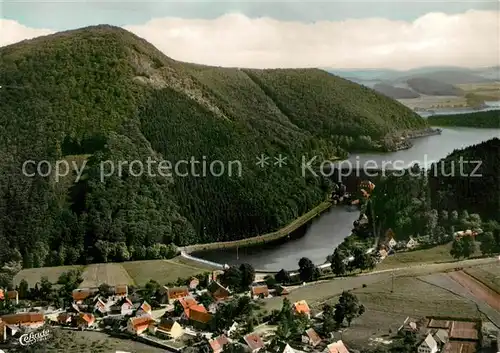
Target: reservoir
{"x": 329, "y": 230}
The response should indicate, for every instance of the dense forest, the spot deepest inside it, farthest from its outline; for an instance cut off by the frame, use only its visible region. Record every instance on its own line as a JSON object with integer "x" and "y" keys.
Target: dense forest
{"x": 103, "y": 94}
{"x": 486, "y": 119}
{"x": 442, "y": 199}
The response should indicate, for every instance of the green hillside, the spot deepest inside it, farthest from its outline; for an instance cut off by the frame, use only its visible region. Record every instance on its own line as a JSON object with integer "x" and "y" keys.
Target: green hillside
{"x": 101, "y": 93}
{"x": 486, "y": 119}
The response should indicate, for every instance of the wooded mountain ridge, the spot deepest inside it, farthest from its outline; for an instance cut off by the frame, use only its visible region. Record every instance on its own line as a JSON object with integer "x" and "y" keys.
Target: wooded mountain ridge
{"x": 101, "y": 93}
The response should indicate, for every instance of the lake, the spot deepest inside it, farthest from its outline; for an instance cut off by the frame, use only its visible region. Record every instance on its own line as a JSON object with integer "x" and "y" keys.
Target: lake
{"x": 329, "y": 230}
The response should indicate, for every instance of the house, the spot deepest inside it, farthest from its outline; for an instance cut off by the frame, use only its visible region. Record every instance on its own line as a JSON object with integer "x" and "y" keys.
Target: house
{"x": 336, "y": 347}
{"x": 143, "y": 309}
{"x": 198, "y": 316}
{"x": 233, "y": 329}
{"x": 170, "y": 295}
{"x": 254, "y": 342}
{"x": 217, "y": 344}
{"x": 2, "y": 294}
{"x": 101, "y": 306}
{"x": 168, "y": 328}
{"x": 85, "y": 320}
{"x": 13, "y": 296}
{"x": 64, "y": 318}
{"x": 79, "y": 295}
{"x": 409, "y": 325}
{"x": 301, "y": 307}
{"x": 311, "y": 337}
{"x": 186, "y": 303}
{"x": 441, "y": 337}
{"x": 259, "y": 291}
{"x": 280, "y": 290}
{"x": 3, "y": 331}
{"x": 121, "y": 291}
{"x": 123, "y": 307}
{"x": 382, "y": 253}
{"x": 212, "y": 277}
{"x": 218, "y": 291}
{"x": 28, "y": 320}
{"x": 411, "y": 243}
{"x": 428, "y": 345}
{"x": 137, "y": 325}
{"x": 193, "y": 283}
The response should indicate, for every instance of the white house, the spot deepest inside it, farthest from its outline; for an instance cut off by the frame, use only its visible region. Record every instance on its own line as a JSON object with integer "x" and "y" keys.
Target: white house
{"x": 412, "y": 243}
{"x": 428, "y": 345}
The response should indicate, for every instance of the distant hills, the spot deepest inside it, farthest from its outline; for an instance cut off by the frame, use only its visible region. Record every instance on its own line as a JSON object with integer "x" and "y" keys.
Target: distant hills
{"x": 102, "y": 94}
{"x": 438, "y": 81}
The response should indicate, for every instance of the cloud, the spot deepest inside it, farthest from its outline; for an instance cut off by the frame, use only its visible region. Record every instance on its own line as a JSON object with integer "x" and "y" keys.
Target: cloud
{"x": 13, "y": 32}
{"x": 467, "y": 39}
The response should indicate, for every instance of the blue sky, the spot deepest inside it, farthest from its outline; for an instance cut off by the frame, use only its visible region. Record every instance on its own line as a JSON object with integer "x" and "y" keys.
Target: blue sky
{"x": 399, "y": 34}
{"x": 60, "y": 15}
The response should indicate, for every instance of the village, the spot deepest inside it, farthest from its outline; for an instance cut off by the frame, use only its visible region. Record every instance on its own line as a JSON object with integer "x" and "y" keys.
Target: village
{"x": 204, "y": 315}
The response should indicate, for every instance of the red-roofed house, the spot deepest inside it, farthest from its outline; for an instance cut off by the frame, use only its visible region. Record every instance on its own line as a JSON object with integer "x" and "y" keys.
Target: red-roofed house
{"x": 84, "y": 320}
{"x": 217, "y": 344}
{"x": 198, "y": 316}
{"x": 172, "y": 294}
{"x": 336, "y": 347}
{"x": 311, "y": 337}
{"x": 301, "y": 307}
{"x": 137, "y": 325}
{"x": 13, "y": 295}
{"x": 193, "y": 283}
{"x": 218, "y": 291}
{"x": 144, "y": 308}
{"x": 79, "y": 295}
{"x": 121, "y": 290}
{"x": 2, "y": 295}
{"x": 254, "y": 342}
{"x": 259, "y": 291}
{"x": 64, "y": 318}
{"x": 31, "y": 320}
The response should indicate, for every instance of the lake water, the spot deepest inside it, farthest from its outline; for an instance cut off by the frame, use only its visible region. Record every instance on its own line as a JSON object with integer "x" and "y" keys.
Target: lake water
{"x": 329, "y": 230}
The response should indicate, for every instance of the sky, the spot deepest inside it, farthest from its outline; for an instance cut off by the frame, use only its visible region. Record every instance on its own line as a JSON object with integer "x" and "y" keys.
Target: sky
{"x": 346, "y": 34}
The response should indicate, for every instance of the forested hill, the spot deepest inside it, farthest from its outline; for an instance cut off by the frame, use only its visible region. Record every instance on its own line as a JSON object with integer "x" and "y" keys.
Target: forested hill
{"x": 475, "y": 186}
{"x": 486, "y": 119}
{"x": 101, "y": 93}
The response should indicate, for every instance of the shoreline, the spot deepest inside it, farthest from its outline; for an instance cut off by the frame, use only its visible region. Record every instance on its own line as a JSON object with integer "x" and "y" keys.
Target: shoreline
{"x": 261, "y": 239}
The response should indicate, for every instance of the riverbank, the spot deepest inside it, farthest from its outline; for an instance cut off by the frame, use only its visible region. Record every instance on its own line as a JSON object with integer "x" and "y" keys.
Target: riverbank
{"x": 262, "y": 239}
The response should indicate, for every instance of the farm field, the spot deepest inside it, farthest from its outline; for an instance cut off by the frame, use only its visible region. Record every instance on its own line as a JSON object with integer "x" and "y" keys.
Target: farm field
{"x": 162, "y": 271}
{"x": 386, "y": 311}
{"x": 93, "y": 342}
{"x": 33, "y": 275}
{"x": 132, "y": 273}
{"x": 487, "y": 274}
{"x": 437, "y": 254}
{"x": 490, "y": 91}
{"x": 110, "y": 273}
{"x": 478, "y": 289}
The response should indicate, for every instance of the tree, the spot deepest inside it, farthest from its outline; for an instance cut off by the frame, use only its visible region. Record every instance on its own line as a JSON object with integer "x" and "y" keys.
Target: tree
{"x": 247, "y": 275}
{"x": 45, "y": 288}
{"x": 463, "y": 247}
{"x": 329, "y": 323}
{"x": 489, "y": 245}
{"x": 283, "y": 277}
{"x": 205, "y": 299}
{"x": 348, "y": 308}
{"x": 307, "y": 270}
{"x": 23, "y": 289}
{"x": 105, "y": 290}
{"x": 338, "y": 263}
{"x": 232, "y": 278}
{"x": 178, "y": 308}
{"x": 233, "y": 348}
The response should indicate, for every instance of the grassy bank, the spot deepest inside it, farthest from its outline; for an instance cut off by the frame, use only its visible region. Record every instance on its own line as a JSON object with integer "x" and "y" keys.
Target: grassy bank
{"x": 265, "y": 238}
